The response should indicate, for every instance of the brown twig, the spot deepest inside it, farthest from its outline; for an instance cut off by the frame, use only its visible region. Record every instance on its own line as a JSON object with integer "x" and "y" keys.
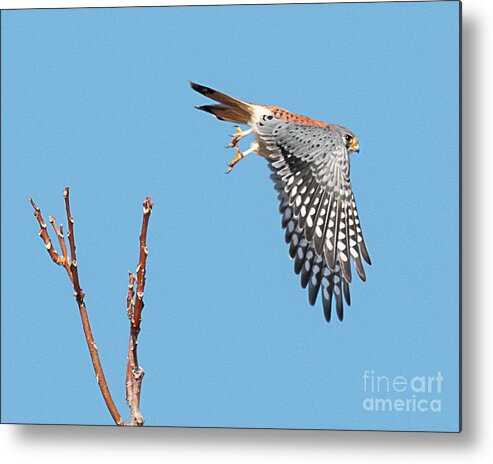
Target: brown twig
{"x": 135, "y": 373}
{"x": 141, "y": 267}
{"x": 43, "y": 233}
{"x": 79, "y": 294}
{"x": 129, "y": 384}
{"x": 71, "y": 267}
{"x": 63, "y": 247}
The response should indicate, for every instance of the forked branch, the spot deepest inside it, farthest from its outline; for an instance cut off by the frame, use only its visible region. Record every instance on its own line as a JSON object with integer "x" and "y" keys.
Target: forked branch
{"x": 134, "y": 308}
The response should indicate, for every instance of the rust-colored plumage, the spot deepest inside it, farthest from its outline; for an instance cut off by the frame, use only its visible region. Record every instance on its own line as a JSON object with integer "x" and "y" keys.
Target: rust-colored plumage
{"x": 241, "y": 112}
{"x": 285, "y": 115}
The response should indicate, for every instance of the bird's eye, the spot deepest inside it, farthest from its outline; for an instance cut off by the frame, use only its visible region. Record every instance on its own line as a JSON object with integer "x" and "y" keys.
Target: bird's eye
{"x": 348, "y": 138}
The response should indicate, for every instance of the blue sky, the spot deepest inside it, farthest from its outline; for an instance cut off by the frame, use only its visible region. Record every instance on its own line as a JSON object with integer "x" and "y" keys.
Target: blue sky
{"x": 98, "y": 99}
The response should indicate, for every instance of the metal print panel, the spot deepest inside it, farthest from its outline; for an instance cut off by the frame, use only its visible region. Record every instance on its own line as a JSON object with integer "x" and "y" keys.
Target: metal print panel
{"x": 315, "y": 286}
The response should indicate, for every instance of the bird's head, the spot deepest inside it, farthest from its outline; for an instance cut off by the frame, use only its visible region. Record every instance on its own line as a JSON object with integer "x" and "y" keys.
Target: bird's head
{"x": 350, "y": 140}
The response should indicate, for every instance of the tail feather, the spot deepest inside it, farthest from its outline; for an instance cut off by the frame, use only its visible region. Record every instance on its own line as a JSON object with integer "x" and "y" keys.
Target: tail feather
{"x": 217, "y": 96}
{"x": 229, "y": 108}
{"x": 226, "y": 113}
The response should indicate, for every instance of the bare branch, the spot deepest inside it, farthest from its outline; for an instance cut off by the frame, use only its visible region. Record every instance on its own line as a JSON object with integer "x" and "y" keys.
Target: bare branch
{"x": 141, "y": 267}
{"x": 72, "y": 272}
{"x": 43, "y": 233}
{"x": 79, "y": 294}
{"x": 136, "y": 285}
{"x": 130, "y": 359}
{"x": 135, "y": 373}
{"x": 63, "y": 247}
{"x": 96, "y": 362}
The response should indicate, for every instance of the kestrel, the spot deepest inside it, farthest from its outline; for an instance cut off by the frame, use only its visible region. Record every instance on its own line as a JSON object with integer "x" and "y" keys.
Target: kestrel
{"x": 309, "y": 160}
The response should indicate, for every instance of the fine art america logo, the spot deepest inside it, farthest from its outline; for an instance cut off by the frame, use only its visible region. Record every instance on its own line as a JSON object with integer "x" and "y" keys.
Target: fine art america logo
{"x": 415, "y": 394}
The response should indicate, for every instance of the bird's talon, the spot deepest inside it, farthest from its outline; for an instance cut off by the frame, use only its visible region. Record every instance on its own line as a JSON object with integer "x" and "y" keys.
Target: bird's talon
{"x": 237, "y": 131}
{"x": 232, "y": 165}
{"x": 237, "y": 136}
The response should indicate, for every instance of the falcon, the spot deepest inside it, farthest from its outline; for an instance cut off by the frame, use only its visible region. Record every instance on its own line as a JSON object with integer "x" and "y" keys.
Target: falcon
{"x": 309, "y": 160}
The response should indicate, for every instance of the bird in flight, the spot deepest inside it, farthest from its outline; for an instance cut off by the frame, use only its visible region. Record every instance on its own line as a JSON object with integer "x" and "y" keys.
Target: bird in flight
{"x": 309, "y": 160}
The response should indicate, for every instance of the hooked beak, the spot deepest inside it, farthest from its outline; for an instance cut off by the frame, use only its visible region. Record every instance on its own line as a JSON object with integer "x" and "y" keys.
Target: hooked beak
{"x": 355, "y": 146}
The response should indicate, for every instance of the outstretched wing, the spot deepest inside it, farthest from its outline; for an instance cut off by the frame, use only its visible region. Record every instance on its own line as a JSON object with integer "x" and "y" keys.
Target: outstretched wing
{"x": 311, "y": 174}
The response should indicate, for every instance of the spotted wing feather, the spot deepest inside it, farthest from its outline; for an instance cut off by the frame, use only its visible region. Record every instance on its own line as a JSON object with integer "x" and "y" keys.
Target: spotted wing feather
{"x": 310, "y": 170}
